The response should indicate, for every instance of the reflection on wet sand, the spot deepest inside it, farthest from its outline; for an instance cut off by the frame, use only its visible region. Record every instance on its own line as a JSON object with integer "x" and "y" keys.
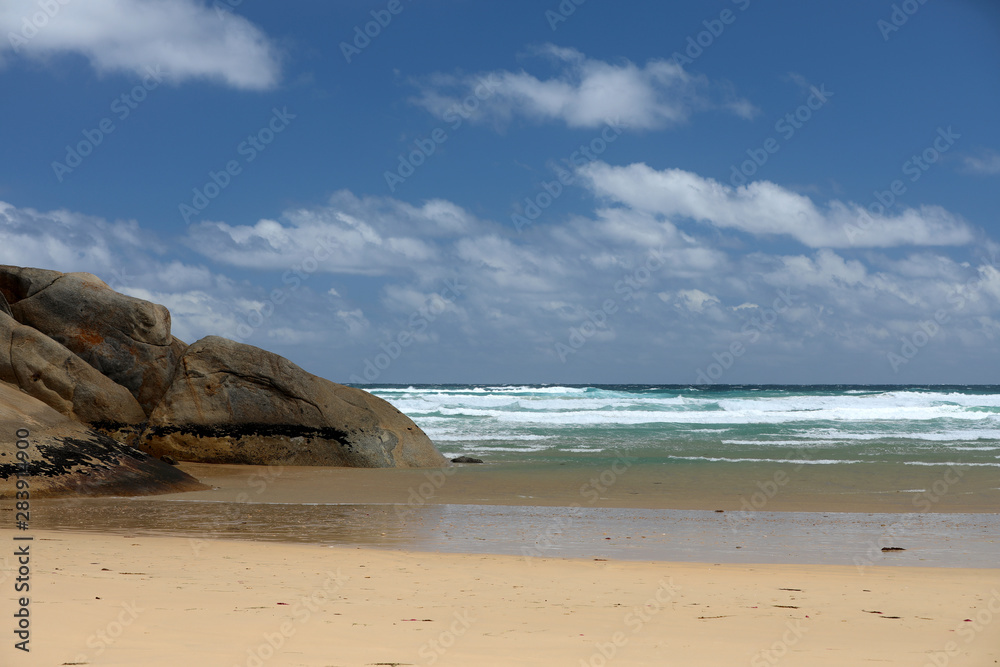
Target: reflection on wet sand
{"x": 944, "y": 540}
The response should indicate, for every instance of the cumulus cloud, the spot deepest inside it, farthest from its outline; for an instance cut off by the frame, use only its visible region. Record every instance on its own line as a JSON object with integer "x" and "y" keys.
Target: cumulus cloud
{"x": 71, "y": 241}
{"x": 666, "y": 295}
{"x": 764, "y": 208}
{"x": 350, "y": 235}
{"x": 583, "y": 93}
{"x": 185, "y": 38}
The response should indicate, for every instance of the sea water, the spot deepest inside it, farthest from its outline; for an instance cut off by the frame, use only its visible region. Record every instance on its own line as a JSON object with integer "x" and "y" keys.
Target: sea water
{"x": 813, "y": 425}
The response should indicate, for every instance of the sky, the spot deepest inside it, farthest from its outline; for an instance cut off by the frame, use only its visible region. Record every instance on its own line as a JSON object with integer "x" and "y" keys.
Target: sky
{"x": 449, "y": 191}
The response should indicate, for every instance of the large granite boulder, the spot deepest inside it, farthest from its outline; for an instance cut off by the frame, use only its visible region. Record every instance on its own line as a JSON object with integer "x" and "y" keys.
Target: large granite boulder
{"x": 126, "y": 339}
{"x": 235, "y": 403}
{"x": 18, "y": 283}
{"x": 49, "y": 372}
{"x": 65, "y": 458}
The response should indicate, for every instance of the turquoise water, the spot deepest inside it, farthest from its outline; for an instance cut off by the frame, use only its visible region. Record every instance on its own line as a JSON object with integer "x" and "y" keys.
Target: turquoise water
{"x": 818, "y": 425}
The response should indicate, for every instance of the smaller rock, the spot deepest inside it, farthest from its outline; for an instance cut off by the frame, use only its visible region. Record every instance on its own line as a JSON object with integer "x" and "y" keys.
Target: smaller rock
{"x": 466, "y": 459}
{"x": 893, "y": 549}
{"x": 166, "y": 458}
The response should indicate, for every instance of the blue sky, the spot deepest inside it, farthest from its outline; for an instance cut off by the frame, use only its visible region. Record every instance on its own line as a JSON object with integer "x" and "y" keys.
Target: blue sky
{"x": 728, "y": 191}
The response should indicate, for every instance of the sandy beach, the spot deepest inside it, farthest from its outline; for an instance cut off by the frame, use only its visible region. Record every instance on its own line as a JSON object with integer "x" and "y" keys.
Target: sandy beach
{"x": 124, "y": 600}
{"x": 486, "y": 567}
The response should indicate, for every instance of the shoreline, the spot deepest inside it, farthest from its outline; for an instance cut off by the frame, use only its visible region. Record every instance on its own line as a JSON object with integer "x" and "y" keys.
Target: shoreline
{"x": 114, "y": 600}
{"x": 729, "y": 487}
{"x": 694, "y": 536}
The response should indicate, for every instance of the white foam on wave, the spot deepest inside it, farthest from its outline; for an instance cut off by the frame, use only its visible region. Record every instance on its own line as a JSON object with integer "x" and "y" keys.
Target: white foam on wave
{"x": 727, "y": 459}
{"x": 467, "y": 436}
{"x": 480, "y": 447}
{"x": 606, "y": 417}
{"x": 783, "y": 443}
{"x": 951, "y": 464}
{"x": 975, "y": 449}
{"x": 635, "y": 408}
{"x": 964, "y": 435}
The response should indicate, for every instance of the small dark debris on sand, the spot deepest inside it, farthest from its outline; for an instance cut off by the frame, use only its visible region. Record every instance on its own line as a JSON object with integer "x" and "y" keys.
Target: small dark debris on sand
{"x": 466, "y": 459}
{"x": 893, "y": 549}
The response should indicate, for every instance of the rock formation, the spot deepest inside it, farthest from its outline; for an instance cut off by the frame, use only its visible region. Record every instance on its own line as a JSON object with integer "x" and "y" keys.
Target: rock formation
{"x": 64, "y": 457}
{"x": 126, "y": 339}
{"x": 109, "y": 361}
{"x": 49, "y": 372}
{"x": 235, "y": 403}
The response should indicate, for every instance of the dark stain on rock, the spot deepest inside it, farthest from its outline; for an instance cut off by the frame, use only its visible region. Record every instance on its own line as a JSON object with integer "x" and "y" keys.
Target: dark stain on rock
{"x": 95, "y": 466}
{"x": 253, "y": 430}
{"x": 69, "y": 454}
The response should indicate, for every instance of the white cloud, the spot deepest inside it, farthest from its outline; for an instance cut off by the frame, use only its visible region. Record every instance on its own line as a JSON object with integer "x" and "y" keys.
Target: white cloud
{"x": 987, "y": 162}
{"x": 185, "y": 38}
{"x": 584, "y": 93}
{"x": 71, "y": 241}
{"x": 352, "y": 235}
{"x": 696, "y": 300}
{"x": 193, "y": 314}
{"x": 521, "y": 294}
{"x": 764, "y": 208}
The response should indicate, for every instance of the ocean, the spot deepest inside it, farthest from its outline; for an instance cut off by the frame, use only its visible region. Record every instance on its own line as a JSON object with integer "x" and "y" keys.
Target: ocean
{"x": 824, "y": 474}
{"x": 820, "y": 425}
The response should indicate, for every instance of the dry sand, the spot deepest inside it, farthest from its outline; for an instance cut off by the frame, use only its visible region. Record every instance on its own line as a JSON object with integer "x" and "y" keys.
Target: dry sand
{"x": 112, "y": 600}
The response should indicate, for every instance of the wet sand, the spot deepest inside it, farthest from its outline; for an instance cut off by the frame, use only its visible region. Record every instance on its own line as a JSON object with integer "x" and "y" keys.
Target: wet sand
{"x": 773, "y": 487}
{"x": 114, "y": 600}
{"x": 488, "y": 565}
{"x": 927, "y": 539}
